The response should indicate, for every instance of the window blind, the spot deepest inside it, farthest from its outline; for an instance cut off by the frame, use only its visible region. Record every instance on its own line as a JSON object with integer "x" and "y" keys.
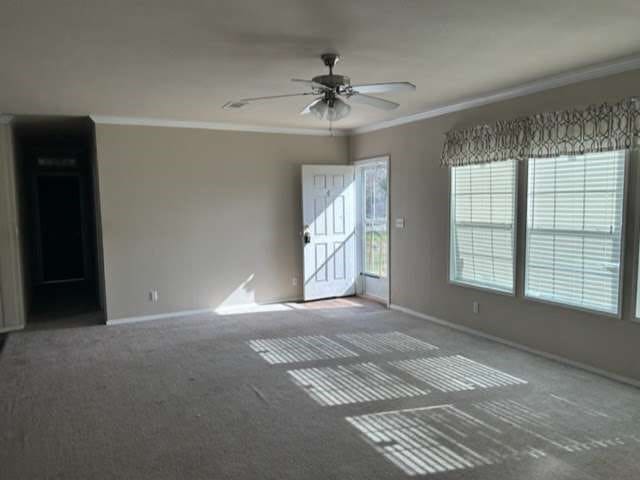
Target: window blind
{"x": 574, "y": 230}
{"x": 482, "y": 225}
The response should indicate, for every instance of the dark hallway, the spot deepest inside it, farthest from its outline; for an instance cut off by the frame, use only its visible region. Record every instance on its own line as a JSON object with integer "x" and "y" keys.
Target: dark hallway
{"x": 56, "y": 181}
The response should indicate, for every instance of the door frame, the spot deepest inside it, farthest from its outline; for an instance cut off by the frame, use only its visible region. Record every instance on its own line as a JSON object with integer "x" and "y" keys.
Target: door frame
{"x": 11, "y": 274}
{"x": 360, "y": 283}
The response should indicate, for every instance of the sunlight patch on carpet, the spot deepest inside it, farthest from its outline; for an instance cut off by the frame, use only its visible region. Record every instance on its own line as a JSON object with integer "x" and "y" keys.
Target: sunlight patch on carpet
{"x": 357, "y": 383}
{"x": 456, "y": 373}
{"x": 386, "y": 342}
{"x": 299, "y": 349}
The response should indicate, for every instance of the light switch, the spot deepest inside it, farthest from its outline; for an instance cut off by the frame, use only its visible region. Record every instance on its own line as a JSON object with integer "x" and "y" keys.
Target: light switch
{"x": 400, "y": 222}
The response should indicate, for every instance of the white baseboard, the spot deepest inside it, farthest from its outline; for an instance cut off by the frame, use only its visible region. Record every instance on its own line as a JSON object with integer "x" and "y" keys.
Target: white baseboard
{"x": 200, "y": 311}
{"x": 159, "y": 316}
{"x": 374, "y": 298}
{"x": 519, "y": 346}
{"x": 11, "y": 329}
{"x": 257, "y": 307}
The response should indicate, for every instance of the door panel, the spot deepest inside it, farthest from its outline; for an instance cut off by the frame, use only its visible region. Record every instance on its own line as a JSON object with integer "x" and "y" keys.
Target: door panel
{"x": 328, "y": 206}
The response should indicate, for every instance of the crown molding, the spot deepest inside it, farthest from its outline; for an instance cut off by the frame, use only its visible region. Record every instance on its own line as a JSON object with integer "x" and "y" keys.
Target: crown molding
{"x": 578, "y": 75}
{"x": 547, "y": 83}
{"x": 235, "y": 127}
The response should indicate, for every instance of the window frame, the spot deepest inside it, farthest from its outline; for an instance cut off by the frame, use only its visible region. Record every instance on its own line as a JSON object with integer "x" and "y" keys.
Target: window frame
{"x": 623, "y": 227}
{"x": 635, "y": 274}
{"x": 514, "y": 234}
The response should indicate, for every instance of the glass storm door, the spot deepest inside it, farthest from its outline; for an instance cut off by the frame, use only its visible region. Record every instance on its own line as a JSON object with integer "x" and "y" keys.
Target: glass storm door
{"x": 374, "y": 229}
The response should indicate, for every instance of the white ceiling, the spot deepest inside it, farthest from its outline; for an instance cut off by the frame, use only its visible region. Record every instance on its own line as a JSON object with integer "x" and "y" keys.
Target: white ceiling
{"x": 184, "y": 59}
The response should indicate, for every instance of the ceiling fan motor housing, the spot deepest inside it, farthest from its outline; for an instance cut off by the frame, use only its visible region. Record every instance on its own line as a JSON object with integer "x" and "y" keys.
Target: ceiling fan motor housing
{"x": 334, "y": 82}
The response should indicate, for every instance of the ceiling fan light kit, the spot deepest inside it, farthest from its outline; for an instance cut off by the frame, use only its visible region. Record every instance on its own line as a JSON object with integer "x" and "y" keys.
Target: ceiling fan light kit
{"x": 331, "y": 91}
{"x": 318, "y": 108}
{"x": 338, "y": 109}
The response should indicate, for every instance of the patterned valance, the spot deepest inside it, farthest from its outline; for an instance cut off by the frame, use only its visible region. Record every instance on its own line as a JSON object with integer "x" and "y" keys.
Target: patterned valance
{"x": 598, "y": 128}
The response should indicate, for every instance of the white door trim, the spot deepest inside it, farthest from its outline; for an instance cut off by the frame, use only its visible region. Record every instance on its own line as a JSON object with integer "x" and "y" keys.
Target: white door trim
{"x": 10, "y": 251}
{"x": 360, "y": 290}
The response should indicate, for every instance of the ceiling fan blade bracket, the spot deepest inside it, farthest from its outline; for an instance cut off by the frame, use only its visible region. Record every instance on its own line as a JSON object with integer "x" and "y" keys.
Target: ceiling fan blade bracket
{"x": 311, "y": 83}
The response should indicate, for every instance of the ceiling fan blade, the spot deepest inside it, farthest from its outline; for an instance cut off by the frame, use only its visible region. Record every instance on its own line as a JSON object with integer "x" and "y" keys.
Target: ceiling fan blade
{"x": 307, "y": 110}
{"x": 243, "y": 102}
{"x": 311, "y": 83}
{"x": 274, "y": 97}
{"x": 384, "y": 87}
{"x": 373, "y": 101}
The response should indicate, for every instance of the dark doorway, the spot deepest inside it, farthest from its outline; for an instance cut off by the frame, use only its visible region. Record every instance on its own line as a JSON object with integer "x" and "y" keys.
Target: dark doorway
{"x": 61, "y": 228}
{"x": 56, "y": 170}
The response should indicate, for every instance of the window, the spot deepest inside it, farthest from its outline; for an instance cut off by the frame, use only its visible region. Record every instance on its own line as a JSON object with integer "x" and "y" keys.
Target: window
{"x": 482, "y": 225}
{"x": 574, "y": 230}
{"x": 375, "y": 220}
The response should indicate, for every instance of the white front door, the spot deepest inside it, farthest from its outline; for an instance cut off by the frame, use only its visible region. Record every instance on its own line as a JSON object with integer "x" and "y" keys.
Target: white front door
{"x": 329, "y": 223}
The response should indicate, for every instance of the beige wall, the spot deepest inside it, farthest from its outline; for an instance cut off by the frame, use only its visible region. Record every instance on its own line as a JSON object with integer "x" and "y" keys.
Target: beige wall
{"x": 419, "y": 253}
{"x": 208, "y": 218}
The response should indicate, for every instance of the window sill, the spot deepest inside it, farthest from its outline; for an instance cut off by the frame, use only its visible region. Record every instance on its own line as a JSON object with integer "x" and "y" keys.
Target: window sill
{"x": 459, "y": 283}
{"x": 593, "y": 311}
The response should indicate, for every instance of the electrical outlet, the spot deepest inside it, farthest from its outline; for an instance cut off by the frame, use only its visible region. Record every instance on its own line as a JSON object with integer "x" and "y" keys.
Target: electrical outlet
{"x": 294, "y": 281}
{"x": 476, "y": 307}
{"x": 153, "y": 296}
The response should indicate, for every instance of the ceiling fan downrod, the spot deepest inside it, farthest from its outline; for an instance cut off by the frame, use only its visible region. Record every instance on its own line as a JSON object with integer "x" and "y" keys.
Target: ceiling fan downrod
{"x": 330, "y": 60}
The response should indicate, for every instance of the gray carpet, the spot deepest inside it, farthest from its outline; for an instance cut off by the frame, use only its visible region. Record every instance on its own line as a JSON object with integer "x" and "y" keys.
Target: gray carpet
{"x": 342, "y": 392}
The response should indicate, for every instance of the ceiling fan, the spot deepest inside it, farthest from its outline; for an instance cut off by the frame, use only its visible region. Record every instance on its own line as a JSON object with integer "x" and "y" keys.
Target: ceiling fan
{"x": 331, "y": 91}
